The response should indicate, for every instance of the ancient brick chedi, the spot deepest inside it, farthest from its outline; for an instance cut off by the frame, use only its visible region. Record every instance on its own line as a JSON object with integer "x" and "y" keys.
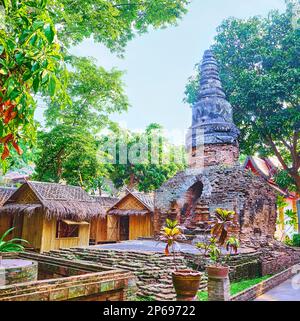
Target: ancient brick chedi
{"x": 214, "y": 177}
{"x": 213, "y": 137}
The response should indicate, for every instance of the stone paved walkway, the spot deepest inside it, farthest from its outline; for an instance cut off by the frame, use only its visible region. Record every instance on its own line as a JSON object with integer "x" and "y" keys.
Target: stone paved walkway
{"x": 287, "y": 291}
{"x": 144, "y": 246}
{"x": 151, "y": 246}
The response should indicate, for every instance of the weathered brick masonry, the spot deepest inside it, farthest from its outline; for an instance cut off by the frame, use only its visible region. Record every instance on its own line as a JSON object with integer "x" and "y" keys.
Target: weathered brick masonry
{"x": 153, "y": 270}
{"x": 62, "y": 280}
{"x": 233, "y": 188}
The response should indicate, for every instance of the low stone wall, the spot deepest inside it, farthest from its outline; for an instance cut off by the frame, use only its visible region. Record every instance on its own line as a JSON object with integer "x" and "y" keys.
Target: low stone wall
{"x": 153, "y": 271}
{"x": 275, "y": 261}
{"x": 93, "y": 283}
{"x": 264, "y": 286}
{"x": 242, "y": 266}
{"x": 14, "y": 273}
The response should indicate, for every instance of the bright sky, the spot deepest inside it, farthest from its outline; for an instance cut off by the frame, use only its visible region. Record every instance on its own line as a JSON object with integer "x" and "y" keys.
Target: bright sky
{"x": 159, "y": 63}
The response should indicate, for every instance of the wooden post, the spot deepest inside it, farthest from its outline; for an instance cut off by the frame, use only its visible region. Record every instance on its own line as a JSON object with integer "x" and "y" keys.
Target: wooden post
{"x": 281, "y": 219}
{"x": 294, "y": 205}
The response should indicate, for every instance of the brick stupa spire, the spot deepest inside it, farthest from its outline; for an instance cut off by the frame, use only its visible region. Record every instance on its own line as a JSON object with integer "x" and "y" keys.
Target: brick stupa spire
{"x": 213, "y": 137}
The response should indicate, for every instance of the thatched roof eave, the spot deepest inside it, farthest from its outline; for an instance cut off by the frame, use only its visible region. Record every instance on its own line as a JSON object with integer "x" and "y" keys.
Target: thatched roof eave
{"x": 127, "y": 212}
{"x": 77, "y": 211}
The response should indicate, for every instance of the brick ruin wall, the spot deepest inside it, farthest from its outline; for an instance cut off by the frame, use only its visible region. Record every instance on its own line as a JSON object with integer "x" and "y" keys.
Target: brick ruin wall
{"x": 213, "y": 155}
{"x": 65, "y": 280}
{"x": 227, "y": 187}
{"x": 153, "y": 270}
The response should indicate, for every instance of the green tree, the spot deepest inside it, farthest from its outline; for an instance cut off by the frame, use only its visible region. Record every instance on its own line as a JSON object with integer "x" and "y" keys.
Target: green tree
{"x": 113, "y": 22}
{"x": 30, "y": 59}
{"x": 150, "y": 159}
{"x": 68, "y": 154}
{"x": 95, "y": 93}
{"x": 260, "y": 69}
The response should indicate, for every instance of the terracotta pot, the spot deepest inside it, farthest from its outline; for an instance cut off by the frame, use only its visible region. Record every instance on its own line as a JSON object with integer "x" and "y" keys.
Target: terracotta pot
{"x": 186, "y": 284}
{"x": 218, "y": 272}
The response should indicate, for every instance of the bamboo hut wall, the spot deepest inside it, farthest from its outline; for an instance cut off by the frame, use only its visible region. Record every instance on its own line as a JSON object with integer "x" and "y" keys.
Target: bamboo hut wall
{"x": 113, "y": 229}
{"x": 50, "y": 242}
{"x": 140, "y": 226}
{"x": 32, "y": 229}
{"x": 99, "y": 229}
{"x": 6, "y": 222}
{"x": 25, "y": 195}
{"x": 130, "y": 203}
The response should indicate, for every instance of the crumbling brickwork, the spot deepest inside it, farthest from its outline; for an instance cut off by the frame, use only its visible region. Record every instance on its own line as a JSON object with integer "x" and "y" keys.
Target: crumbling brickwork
{"x": 231, "y": 188}
{"x": 213, "y": 155}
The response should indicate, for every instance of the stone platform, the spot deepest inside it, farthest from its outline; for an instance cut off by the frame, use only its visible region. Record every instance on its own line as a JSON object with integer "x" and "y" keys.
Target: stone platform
{"x": 152, "y": 269}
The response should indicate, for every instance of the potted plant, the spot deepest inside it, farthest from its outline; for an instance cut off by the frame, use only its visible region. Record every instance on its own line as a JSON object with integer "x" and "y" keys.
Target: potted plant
{"x": 186, "y": 282}
{"x": 218, "y": 240}
{"x": 224, "y": 220}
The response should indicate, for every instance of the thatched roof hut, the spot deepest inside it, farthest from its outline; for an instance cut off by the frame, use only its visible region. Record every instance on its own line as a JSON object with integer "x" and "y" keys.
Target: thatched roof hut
{"x": 144, "y": 199}
{"x": 51, "y": 216}
{"x": 131, "y": 217}
{"x": 5, "y": 193}
{"x": 106, "y": 201}
{"x": 55, "y": 200}
{"x": 98, "y": 233}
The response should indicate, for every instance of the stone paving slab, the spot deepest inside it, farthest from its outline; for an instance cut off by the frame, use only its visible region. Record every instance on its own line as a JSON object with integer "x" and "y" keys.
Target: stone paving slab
{"x": 151, "y": 246}
{"x": 286, "y": 291}
{"x": 144, "y": 246}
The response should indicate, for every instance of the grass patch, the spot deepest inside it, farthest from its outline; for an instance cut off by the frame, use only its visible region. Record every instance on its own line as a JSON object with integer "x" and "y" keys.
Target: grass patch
{"x": 236, "y": 287}
{"x": 144, "y": 298}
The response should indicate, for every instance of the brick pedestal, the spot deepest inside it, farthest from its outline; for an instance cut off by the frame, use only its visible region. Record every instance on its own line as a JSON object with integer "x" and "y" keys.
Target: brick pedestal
{"x": 214, "y": 155}
{"x": 218, "y": 289}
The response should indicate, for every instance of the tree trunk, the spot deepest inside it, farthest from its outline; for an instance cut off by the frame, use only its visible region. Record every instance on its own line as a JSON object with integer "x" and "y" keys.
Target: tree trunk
{"x": 131, "y": 181}
{"x": 296, "y": 177}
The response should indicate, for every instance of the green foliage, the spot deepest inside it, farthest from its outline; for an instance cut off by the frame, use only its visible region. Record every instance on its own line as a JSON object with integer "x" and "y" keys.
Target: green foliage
{"x": 95, "y": 94}
{"x": 285, "y": 181}
{"x": 291, "y": 217}
{"x": 30, "y": 59}
{"x": 71, "y": 153}
{"x": 281, "y": 202}
{"x": 11, "y": 245}
{"x": 68, "y": 153}
{"x": 232, "y": 244}
{"x": 214, "y": 251}
{"x": 290, "y": 221}
{"x": 153, "y": 168}
{"x": 212, "y": 245}
{"x": 113, "y": 23}
{"x": 223, "y": 220}
{"x": 296, "y": 240}
{"x": 288, "y": 241}
{"x": 237, "y": 287}
{"x": 260, "y": 69}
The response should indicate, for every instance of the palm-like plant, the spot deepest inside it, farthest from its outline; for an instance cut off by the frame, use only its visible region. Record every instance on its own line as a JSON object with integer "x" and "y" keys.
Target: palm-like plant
{"x": 171, "y": 233}
{"x": 11, "y": 245}
{"x": 232, "y": 245}
{"x": 223, "y": 220}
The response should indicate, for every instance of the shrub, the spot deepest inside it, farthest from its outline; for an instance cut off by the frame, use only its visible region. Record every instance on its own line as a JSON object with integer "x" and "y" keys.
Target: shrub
{"x": 296, "y": 240}
{"x": 11, "y": 245}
